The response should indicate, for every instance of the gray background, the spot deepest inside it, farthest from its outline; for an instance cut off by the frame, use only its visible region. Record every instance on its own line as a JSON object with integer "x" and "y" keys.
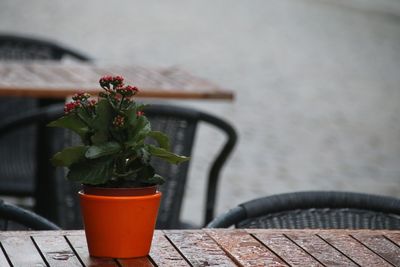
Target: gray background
{"x": 316, "y": 82}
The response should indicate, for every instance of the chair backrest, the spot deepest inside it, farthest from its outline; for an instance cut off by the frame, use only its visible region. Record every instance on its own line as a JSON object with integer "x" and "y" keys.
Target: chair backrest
{"x": 13, "y": 217}
{"x": 314, "y": 209}
{"x": 20, "y": 48}
{"x": 180, "y": 124}
{"x": 19, "y": 146}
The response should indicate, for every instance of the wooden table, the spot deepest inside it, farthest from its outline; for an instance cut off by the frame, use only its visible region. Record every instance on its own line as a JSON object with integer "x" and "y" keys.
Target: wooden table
{"x": 213, "y": 248}
{"x": 57, "y": 80}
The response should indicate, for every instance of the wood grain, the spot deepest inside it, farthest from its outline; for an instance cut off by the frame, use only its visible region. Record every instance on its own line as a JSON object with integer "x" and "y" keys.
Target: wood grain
{"x": 199, "y": 249}
{"x": 354, "y": 249}
{"x": 213, "y": 247}
{"x": 56, "y": 251}
{"x": 287, "y": 250}
{"x": 3, "y": 260}
{"x": 22, "y": 251}
{"x": 57, "y": 80}
{"x": 319, "y": 249}
{"x": 163, "y": 252}
{"x": 79, "y": 244}
{"x": 381, "y": 246}
{"x": 244, "y": 249}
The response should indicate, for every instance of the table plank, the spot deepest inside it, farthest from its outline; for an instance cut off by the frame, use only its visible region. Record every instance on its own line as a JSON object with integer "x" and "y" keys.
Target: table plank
{"x": 80, "y": 246}
{"x": 163, "y": 252}
{"x": 198, "y": 248}
{"x": 58, "y": 80}
{"x": 137, "y": 262}
{"x": 3, "y": 259}
{"x": 56, "y": 251}
{"x": 381, "y": 246}
{"x": 354, "y": 249}
{"x": 21, "y": 251}
{"x": 319, "y": 249}
{"x": 245, "y": 250}
{"x": 287, "y": 250}
{"x": 394, "y": 237}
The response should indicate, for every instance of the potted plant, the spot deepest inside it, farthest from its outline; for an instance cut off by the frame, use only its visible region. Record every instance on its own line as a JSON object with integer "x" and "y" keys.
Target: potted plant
{"x": 119, "y": 199}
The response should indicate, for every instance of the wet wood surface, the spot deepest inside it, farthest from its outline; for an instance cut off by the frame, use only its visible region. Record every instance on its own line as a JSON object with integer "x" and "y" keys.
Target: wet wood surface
{"x": 58, "y": 80}
{"x": 213, "y": 247}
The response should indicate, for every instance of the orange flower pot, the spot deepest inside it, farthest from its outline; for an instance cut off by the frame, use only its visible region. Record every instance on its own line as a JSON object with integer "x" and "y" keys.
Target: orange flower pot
{"x": 119, "y": 226}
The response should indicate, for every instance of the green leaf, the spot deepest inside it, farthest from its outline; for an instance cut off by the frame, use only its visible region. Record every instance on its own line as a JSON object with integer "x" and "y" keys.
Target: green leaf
{"x": 72, "y": 122}
{"x": 146, "y": 173}
{"x": 94, "y": 172}
{"x": 156, "y": 179}
{"x": 131, "y": 117}
{"x": 102, "y": 150}
{"x": 99, "y": 137}
{"x": 101, "y": 122}
{"x": 69, "y": 156}
{"x": 161, "y": 138}
{"x": 140, "y": 130}
{"x": 103, "y": 116}
{"x": 166, "y": 155}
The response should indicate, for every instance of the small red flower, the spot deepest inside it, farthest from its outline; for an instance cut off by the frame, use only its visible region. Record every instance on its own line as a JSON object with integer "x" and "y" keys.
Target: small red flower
{"x": 81, "y": 96}
{"x": 140, "y": 113}
{"x": 132, "y": 88}
{"x": 119, "y": 121}
{"x": 105, "y": 81}
{"x": 118, "y": 81}
{"x": 69, "y": 107}
{"x": 92, "y": 103}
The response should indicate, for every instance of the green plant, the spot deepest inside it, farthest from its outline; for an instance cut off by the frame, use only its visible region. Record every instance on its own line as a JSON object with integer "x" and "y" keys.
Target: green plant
{"x": 115, "y": 133}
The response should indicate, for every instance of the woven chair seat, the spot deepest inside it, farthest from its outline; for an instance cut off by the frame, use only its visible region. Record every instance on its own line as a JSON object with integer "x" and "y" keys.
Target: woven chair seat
{"x": 314, "y": 210}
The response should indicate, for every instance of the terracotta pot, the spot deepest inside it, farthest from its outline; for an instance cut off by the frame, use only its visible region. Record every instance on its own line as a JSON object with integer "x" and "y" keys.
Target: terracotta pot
{"x": 119, "y": 222}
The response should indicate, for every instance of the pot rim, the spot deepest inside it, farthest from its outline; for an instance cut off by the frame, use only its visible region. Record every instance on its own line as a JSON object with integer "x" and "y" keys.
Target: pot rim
{"x": 114, "y": 191}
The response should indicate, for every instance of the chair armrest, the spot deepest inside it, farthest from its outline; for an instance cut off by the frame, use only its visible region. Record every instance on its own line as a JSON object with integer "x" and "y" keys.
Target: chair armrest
{"x": 219, "y": 161}
{"x": 33, "y": 116}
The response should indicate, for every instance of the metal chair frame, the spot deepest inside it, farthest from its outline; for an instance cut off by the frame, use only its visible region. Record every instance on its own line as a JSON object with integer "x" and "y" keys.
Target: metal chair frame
{"x": 11, "y": 214}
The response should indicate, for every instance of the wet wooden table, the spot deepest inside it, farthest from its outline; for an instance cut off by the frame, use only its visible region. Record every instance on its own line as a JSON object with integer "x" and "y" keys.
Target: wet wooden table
{"x": 58, "y": 80}
{"x": 213, "y": 248}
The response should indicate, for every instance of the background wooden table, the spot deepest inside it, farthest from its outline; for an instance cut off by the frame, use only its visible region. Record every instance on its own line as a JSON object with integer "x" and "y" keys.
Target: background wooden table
{"x": 58, "y": 80}
{"x": 213, "y": 248}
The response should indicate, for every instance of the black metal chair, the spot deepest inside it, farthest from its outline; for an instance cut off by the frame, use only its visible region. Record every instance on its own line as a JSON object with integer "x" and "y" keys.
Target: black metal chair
{"x": 13, "y": 217}
{"x": 314, "y": 209}
{"x": 178, "y": 123}
{"x": 18, "y": 148}
{"x": 14, "y": 47}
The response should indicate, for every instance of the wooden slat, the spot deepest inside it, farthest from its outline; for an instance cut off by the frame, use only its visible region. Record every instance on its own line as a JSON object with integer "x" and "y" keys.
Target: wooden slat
{"x": 163, "y": 252}
{"x": 287, "y": 250}
{"x": 354, "y": 249}
{"x": 56, "y": 251}
{"x": 380, "y": 245}
{"x": 395, "y": 237}
{"x": 21, "y": 251}
{"x": 199, "y": 249}
{"x": 137, "y": 262}
{"x": 3, "y": 259}
{"x": 80, "y": 246}
{"x": 319, "y": 249}
{"x": 246, "y": 250}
